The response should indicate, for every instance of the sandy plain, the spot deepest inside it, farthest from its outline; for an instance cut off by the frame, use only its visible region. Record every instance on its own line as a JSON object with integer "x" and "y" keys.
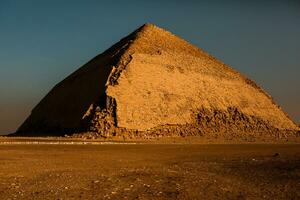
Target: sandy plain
{"x": 76, "y": 169}
{"x": 84, "y": 169}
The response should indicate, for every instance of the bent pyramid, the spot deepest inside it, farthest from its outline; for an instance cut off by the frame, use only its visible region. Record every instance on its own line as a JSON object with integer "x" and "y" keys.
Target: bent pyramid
{"x": 153, "y": 81}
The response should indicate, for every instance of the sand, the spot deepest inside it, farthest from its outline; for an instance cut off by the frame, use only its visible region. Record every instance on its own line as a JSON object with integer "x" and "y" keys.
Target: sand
{"x": 149, "y": 171}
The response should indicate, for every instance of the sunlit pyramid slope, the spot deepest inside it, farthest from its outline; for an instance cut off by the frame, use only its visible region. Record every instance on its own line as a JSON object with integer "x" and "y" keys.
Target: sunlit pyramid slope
{"x": 153, "y": 81}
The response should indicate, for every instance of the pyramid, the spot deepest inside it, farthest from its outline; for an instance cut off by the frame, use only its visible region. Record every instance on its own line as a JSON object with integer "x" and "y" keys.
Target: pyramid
{"x": 155, "y": 82}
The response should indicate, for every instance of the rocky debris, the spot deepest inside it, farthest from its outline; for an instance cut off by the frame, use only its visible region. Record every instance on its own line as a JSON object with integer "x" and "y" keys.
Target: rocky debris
{"x": 207, "y": 123}
{"x": 276, "y": 155}
{"x": 231, "y": 120}
{"x": 102, "y": 123}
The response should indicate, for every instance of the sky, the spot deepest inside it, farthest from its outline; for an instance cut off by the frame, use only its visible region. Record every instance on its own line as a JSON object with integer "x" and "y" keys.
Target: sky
{"x": 43, "y": 41}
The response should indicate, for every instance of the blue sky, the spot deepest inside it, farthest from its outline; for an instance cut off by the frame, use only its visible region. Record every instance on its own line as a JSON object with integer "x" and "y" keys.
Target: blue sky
{"x": 42, "y": 41}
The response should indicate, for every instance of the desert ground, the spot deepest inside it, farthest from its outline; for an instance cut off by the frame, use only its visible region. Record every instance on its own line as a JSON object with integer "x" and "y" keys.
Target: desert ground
{"x": 107, "y": 170}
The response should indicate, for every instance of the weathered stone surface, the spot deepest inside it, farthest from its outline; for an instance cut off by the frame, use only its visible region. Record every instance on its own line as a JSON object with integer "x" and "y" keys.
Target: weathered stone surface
{"x": 167, "y": 88}
{"x": 154, "y": 84}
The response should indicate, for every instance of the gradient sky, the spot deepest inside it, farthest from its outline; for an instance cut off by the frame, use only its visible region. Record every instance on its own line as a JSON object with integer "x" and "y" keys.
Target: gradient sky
{"x": 41, "y": 42}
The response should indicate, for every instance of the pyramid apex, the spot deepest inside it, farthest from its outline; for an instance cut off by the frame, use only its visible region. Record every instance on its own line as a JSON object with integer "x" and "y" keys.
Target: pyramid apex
{"x": 153, "y": 31}
{"x": 149, "y": 26}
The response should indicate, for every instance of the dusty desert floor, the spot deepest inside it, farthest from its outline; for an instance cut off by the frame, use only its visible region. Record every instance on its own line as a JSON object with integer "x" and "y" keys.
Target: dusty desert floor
{"x": 149, "y": 171}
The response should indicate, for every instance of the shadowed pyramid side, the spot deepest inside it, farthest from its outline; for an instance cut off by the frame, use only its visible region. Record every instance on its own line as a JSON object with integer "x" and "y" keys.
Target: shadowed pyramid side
{"x": 62, "y": 110}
